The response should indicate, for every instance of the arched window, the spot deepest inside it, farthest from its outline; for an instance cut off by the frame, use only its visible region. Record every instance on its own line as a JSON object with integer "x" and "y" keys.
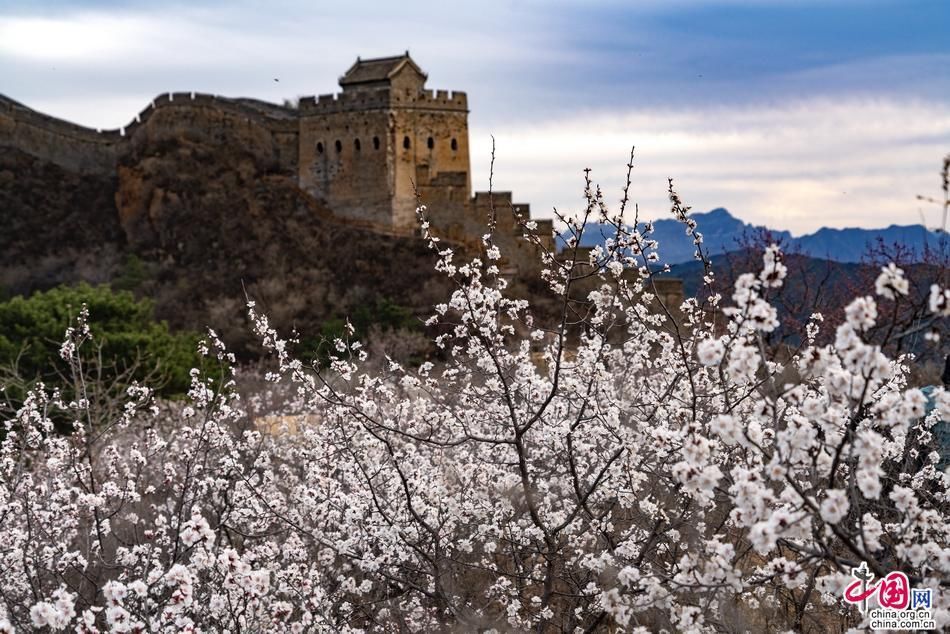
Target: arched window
{"x": 455, "y": 145}
{"x": 430, "y": 143}
{"x": 375, "y": 142}
{"x": 356, "y": 145}
{"x": 405, "y": 142}
{"x": 319, "y": 148}
{"x": 339, "y": 146}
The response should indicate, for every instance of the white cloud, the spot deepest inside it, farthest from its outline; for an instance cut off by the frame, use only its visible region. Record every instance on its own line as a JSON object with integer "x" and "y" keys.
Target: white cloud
{"x": 790, "y": 166}
{"x": 820, "y": 161}
{"x": 203, "y": 36}
{"x": 45, "y": 39}
{"x": 52, "y": 61}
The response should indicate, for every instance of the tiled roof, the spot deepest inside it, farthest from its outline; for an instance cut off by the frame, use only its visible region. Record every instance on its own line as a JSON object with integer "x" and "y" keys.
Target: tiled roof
{"x": 366, "y": 71}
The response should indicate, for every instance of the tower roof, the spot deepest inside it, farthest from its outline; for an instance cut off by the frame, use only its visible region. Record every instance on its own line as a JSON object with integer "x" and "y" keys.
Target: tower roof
{"x": 378, "y": 71}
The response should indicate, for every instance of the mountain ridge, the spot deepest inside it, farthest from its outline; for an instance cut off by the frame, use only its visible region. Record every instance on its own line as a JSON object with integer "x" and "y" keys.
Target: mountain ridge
{"x": 725, "y": 233}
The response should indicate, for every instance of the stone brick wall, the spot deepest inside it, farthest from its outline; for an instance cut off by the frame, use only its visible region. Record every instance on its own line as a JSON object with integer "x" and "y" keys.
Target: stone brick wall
{"x": 98, "y": 152}
{"x": 366, "y": 152}
{"x": 71, "y": 146}
{"x": 431, "y": 154}
{"x": 346, "y": 158}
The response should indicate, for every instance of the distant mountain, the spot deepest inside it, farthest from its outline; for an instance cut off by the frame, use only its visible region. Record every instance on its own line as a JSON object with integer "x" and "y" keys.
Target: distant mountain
{"x": 849, "y": 245}
{"x": 723, "y": 233}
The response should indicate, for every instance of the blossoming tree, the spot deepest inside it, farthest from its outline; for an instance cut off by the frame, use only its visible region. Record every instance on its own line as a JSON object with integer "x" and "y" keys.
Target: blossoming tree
{"x": 625, "y": 466}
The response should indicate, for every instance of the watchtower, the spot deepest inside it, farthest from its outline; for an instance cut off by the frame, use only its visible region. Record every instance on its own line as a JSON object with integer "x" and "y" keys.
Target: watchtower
{"x": 367, "y": 150}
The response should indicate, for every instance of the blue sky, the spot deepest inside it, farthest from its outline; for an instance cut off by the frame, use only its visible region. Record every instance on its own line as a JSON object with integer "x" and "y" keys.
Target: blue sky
{"x": 792, "y": 114}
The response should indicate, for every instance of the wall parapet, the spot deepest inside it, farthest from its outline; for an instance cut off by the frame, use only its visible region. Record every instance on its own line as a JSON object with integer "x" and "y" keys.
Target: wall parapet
{"x": 383, "y": 98}
{"x": 91, "y": 150}
{"x": 442, "y": 100}
{"x": 274, "y": 117}
{"x": 344, "y": 102}
{"x": 23, "y": 114}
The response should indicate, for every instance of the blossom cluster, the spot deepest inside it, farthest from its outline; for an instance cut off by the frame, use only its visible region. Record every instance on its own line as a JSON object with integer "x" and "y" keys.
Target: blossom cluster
{"x": 631, "y": 465}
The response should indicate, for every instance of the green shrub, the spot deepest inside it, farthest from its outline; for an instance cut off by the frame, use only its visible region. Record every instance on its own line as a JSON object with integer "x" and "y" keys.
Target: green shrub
{"x": 124, "y": 330}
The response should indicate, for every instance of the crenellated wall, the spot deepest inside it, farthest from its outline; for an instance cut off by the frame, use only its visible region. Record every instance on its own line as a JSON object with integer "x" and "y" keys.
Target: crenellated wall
{"x": 72, "y": 146}
{"x": 369, "y": 155}
{"x": 383, "y": 99}
{"x": 85, "y": 150}
{"x": 266, "y": 131}
{"x": 273, "y": 117}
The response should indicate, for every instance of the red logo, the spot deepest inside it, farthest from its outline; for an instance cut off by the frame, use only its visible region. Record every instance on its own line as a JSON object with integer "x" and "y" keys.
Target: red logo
{"x": 893, "y": 591}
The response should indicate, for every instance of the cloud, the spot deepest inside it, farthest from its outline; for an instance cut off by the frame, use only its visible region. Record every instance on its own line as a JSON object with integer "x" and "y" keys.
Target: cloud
{"x": 50, "y": 60}
{"x": 791, "y": 166}
{"x": 299, "y": 36}
{"x": 45, "y": 39}
{"x": 795, "y": 116}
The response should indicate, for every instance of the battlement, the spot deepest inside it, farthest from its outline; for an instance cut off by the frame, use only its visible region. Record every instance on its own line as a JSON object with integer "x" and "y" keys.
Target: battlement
{"x": 343, "y": 102}
{"x": 97, "y": 151}
{"x": 381, "y": 99}
{"x": 274, "y": 117}
{"x": 436, "y": 100}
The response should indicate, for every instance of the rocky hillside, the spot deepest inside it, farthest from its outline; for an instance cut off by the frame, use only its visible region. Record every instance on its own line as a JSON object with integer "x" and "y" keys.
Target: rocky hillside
{"x": 193, "y": 223}
{"x": 57, "y": 225}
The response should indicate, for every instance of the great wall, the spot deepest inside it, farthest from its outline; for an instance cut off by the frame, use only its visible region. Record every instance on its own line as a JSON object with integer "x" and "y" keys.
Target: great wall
{"x": 363, "y": 157}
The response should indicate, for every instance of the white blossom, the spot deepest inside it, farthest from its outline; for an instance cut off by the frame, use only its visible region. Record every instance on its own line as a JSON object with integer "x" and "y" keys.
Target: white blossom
{"x": 835, "y": 506}
{"x": 939, "y": 301}
{"x": 891, "y": 283}
{"x": 861, "y": 313}
{"x": 710, "y": 351}
{"x": 532, "y": 475}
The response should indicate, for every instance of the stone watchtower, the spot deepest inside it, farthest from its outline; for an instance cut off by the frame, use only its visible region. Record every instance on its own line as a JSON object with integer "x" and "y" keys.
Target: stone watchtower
{"x": 368, "y": 149}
